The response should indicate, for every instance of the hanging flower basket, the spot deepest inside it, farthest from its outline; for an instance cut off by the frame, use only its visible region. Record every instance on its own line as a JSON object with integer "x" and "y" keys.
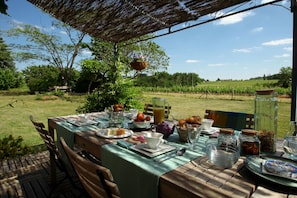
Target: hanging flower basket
{"x": 139, "y": 64}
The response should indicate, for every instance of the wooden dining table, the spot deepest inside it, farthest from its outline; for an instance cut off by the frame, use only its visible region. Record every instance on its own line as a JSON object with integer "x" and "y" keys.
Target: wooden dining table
{"x": 195, "y": 178}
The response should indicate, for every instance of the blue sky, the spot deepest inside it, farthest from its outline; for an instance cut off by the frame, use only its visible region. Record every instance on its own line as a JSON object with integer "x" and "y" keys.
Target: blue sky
{"x": 243, "y": 46}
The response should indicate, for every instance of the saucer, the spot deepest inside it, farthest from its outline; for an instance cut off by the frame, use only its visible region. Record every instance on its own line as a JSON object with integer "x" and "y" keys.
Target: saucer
{"x": 143, "y": 149}
{"x": 210, "y": 131}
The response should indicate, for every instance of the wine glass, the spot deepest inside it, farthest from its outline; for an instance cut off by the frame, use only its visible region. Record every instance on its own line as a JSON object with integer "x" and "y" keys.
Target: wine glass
{"x": 193, "y": 134}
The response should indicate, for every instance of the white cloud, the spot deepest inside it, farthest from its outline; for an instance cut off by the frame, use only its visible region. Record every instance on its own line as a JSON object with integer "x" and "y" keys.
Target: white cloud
{"x": 17, "y": 24}
{"x": 257, "y": 29}
{"x": 86, "y": 52}
{"x": 278, "y": 42}
{"x": 192, "y": 61}
{"x": 246, "y": 50}
{"x": 63, "y": 32}
{"x": 290, "y": 49}
{"x": 243, "y": 50}
{"x": 216, "y": 64}
{"x": 233, "y": 18}
{"x": 282, "y": 56}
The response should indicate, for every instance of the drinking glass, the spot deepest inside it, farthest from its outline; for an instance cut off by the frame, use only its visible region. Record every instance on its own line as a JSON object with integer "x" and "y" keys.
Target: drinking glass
{"x": 193, "y": 135}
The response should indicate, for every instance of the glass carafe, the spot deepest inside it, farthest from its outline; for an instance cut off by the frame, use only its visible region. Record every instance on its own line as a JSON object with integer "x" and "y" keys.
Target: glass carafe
{"x": 159, "y": 106}
{"x": 266, "y": 119}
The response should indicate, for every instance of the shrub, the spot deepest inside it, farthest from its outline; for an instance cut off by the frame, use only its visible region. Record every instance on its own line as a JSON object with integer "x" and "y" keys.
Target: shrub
{"x": 11, "y": 147}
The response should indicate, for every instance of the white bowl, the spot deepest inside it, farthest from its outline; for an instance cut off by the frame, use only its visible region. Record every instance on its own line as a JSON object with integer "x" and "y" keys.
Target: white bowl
{"x": 142, "y": 125}
{"x": 221, "y": 156}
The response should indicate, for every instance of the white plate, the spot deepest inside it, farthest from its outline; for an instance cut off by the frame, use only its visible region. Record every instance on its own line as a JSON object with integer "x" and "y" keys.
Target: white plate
{"x": 210, "y": 131}
{"x": 142, "y": 148}
{"x": 81, "y": 122}
{"x": 105, "y": 133}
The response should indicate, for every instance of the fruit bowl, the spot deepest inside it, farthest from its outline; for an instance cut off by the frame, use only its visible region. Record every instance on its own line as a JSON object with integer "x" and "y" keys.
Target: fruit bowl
{"x": 142, "y": 124}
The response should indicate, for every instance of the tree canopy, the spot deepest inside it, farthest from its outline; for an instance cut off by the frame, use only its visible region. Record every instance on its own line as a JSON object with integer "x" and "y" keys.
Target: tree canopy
{"x": 48, "y": 47}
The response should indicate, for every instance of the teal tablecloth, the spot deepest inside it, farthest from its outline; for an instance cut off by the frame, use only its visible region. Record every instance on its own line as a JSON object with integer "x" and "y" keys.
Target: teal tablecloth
{"x": 137, "y": 175}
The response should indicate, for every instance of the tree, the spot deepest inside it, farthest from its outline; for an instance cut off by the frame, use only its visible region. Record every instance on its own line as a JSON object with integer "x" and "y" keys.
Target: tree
{"x": 41, "y": 78}
{"x": 285, "y": 77}
{"x": 6, "y": 60}
{"x": 155, "y": 55}
{"x": 48, "y": 47}
{"x": 9, "y": 77}
{"x": 94, "y": 71}
{"x": 111, "y": 69}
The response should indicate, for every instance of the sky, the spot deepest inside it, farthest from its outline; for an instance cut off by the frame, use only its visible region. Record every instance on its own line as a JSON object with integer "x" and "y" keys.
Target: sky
{"x": 247, "y": 45}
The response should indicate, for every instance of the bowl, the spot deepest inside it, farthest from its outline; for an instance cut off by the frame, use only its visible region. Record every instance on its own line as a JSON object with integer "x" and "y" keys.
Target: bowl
{"x": 222, "y": 156}
{"x": 142, "y": 125}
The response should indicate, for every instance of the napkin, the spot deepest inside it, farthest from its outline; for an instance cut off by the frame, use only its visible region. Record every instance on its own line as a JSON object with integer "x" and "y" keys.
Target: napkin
{"x": 124, "y": 144}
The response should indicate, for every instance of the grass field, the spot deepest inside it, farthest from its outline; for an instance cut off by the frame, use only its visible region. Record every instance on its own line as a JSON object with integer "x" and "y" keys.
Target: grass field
{"x": 15, "y": 117}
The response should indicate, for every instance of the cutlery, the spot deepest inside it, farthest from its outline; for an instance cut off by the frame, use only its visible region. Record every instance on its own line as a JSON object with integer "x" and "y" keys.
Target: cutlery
{"x": 179, "y": 152}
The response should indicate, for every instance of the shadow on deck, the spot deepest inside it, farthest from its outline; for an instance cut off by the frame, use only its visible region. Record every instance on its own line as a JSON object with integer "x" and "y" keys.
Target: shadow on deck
{"x": 29, "y": 177}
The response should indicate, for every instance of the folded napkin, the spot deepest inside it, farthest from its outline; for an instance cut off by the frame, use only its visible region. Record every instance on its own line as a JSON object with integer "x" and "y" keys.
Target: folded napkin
{"x": 124, "y": 144}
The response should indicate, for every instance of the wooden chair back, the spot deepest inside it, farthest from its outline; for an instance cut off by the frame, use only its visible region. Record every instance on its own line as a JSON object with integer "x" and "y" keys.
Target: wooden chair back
{"x": 44, "y": 134}
{"x": 96, "y": 180}
{"x": 148, "y": 109}
{"x": 227, "y": 119}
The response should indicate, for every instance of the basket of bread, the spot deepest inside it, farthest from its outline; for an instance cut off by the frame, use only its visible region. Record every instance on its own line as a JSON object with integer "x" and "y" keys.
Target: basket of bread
{"x": 183, "y": 124}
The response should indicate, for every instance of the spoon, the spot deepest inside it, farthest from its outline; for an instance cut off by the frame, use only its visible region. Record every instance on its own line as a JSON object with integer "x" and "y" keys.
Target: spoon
{"x": 179, "y": 152}
{"x": 288, "y": 150}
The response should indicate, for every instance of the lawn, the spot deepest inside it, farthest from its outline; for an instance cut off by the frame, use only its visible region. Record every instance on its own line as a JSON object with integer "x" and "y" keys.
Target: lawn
{"x": 15, "y": 110}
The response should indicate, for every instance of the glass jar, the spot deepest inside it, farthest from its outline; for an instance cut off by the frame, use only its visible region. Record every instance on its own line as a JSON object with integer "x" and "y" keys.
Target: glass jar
{"x": 266, "y": 119}
{"x": 249, "y": 142}
{"x": 227, "y": 138}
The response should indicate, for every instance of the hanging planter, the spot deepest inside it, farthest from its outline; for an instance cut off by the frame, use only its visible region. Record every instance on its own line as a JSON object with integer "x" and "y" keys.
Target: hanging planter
{"x": 139, "y": 63}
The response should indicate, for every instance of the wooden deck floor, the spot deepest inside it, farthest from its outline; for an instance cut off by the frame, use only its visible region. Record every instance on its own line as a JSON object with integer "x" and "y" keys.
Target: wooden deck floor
{"x": 29, "y": 177}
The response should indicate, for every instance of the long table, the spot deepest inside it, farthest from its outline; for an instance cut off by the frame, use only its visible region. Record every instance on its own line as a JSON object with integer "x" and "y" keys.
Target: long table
{"x": 193, "y": 178}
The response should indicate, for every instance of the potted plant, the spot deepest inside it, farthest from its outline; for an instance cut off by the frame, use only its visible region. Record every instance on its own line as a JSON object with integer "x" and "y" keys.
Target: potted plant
{"x": 139, "y": 62}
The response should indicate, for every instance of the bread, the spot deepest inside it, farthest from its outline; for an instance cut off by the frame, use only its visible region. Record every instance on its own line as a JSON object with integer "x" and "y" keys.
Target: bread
{"x": 194, "y": 120}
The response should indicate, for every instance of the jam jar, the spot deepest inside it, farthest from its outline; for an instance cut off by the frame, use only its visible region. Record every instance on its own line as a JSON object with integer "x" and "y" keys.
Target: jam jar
{"x": 249, "y": 142}
{"x": 227, "y": 138}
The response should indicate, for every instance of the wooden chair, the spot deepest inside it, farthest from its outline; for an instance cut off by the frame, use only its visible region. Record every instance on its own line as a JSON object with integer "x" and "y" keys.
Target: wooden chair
{"x": 227, "y": 119}
{"x": 148, "y": 109}
{"x": 96, "y": 180}
{"x": 51, "y": 147}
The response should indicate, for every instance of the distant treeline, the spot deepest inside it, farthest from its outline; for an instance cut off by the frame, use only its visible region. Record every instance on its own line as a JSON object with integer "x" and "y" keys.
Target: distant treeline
{"x": 191, "y": 83}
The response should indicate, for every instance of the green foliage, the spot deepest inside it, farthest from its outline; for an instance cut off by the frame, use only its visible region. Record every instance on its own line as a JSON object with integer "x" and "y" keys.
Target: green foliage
{"x": 246, "y": 87}
{"x": 41, "y": 78}
{"x": 11, "y": 147}
{"x": 3, "y": 7}
{"x": 49, "y": 48}
{"x": 6, "y": 60}
{"x": 164, "y": 79}
{"x": 285, "y": 77}
{"x": 120, "y": 91}
{"x": 7, "y": 79}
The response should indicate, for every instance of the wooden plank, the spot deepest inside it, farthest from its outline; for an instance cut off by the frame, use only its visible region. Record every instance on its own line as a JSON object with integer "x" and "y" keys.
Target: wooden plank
{"x": 262, "y": 192}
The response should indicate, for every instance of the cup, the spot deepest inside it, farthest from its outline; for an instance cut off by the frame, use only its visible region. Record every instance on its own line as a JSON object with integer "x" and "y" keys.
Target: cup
{"x": 206, "y": 124}
{"x": 159, "y": 106}
{"x": 153, "y": 139}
